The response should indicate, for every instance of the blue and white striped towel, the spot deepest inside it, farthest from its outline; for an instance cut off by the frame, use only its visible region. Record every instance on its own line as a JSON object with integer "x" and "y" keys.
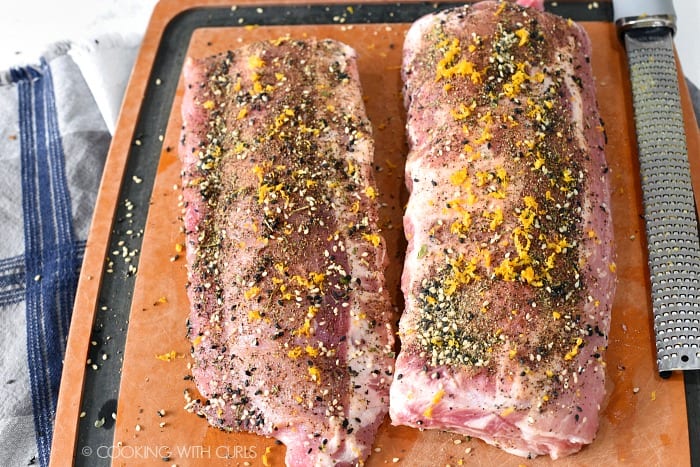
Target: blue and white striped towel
{"x": 53, "y": 142}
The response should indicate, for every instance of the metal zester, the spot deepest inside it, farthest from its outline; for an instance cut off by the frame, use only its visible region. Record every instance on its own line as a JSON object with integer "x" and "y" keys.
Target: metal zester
{"x": 647, "y": 29}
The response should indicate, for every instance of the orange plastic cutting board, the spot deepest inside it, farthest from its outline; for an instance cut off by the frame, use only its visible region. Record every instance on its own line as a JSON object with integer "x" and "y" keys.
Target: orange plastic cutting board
{"x": 643, "y": 422}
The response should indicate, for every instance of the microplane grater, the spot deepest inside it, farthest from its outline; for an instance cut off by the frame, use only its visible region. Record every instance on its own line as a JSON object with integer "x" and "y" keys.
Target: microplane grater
{"x": 670, "y": 217}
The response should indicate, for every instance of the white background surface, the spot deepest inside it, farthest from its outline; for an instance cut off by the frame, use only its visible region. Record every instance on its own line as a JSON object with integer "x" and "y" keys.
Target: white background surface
{"x": 27, "y": 26}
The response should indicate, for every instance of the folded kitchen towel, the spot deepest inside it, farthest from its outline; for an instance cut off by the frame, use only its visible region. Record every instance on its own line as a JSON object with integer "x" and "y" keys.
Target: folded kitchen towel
{"x": 105, "y": 64}
{"x": 53, "y": 142}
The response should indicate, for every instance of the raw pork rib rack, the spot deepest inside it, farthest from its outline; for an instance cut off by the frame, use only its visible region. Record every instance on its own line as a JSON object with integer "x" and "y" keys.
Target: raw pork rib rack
{"x": 290, "y": 320}
{"x": 509, "y": 276}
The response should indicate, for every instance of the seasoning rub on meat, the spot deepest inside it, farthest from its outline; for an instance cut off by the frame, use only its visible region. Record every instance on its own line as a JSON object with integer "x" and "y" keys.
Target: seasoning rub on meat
{"x": 509, "y": 276}
{"x": 290, "y": 320}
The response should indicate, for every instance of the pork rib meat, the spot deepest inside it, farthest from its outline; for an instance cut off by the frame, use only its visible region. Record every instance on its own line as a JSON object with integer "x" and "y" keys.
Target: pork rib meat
{"x": 509, "y": 275}
{"x": 290, "y": 321}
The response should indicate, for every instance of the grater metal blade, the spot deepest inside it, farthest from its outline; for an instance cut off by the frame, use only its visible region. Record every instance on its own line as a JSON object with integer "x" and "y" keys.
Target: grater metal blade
{"x": 671, "y": 222}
